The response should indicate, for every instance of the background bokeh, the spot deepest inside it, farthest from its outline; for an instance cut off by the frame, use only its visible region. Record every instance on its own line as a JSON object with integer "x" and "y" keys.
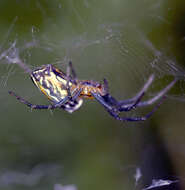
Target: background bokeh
{"x": 123, "y": 41}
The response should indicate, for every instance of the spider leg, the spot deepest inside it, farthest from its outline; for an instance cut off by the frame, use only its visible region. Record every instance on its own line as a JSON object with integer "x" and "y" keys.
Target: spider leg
{"x": 132, "y": 105}
{"x": 122, "y": 107}
{"x": 110, "y": 100}
{"x": 76, "y": 94}
{"x": 68, "y": 80}
{"x": 34, "y": 106}
{"x": 105, "y": 104}
{"x": 140, "y": 93}
{"x": 73, "y": 73}
{"x": 114, "y": 112}
{"x": 143, "y": 118}
{"x": 113, "y": 102}
{"x": 62, "y": 102}
{"x": 70, "y": 71}
{"x": 106, "y": 86}
{"x": 158, "y": 96}
{"x": 127, "y": 105}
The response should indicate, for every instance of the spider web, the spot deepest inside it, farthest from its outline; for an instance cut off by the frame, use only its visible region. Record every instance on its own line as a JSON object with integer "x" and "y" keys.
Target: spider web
{"x": 125, "y": 49}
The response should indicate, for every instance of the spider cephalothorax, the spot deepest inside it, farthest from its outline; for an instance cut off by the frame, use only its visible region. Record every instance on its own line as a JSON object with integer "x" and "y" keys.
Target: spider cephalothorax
{"x": 67, "y": 92}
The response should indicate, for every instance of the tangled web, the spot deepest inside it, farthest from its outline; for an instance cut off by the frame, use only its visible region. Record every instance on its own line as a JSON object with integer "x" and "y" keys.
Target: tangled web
{"x": 129, "y": 47}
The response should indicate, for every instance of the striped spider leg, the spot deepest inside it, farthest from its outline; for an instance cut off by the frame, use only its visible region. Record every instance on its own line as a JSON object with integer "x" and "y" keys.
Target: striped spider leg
{"x": 114, "y": 107}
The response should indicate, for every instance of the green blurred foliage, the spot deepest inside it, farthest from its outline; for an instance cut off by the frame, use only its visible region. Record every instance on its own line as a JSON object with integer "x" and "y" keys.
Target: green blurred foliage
{"x": 91, "y": 149}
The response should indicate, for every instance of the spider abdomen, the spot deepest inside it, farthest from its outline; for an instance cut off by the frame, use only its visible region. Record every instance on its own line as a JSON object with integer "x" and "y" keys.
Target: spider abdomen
{"x": 50, "y": 82}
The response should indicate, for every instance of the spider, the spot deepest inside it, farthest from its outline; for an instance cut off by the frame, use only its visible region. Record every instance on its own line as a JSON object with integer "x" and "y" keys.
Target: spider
{"x": 65, "y": 91}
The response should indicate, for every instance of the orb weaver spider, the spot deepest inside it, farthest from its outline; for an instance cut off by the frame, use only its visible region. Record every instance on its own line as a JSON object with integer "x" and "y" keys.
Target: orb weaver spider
{"x": 67, "y": 92}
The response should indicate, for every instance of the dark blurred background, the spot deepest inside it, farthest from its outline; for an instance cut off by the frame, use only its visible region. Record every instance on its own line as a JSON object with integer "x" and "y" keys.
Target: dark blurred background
{"x": 121, "y": 40}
